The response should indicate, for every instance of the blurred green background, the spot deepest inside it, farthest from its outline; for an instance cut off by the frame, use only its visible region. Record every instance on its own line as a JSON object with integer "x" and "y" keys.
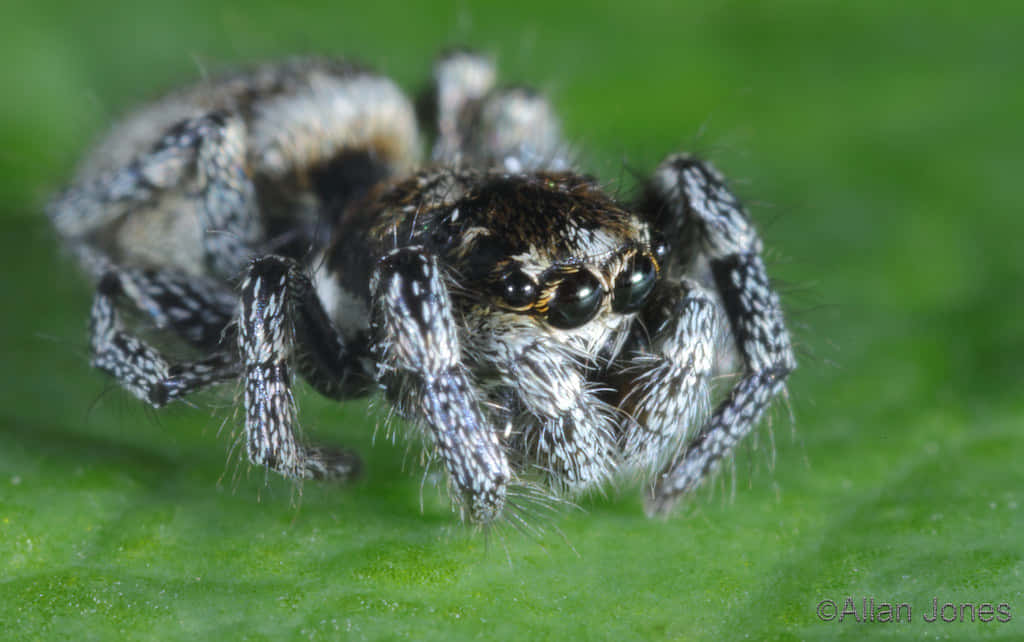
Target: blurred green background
{"x": 879, "y": 146}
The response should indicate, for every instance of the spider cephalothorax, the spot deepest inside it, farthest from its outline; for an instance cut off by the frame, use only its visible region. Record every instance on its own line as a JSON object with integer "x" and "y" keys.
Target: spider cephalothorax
{"x": 537, "y": 329}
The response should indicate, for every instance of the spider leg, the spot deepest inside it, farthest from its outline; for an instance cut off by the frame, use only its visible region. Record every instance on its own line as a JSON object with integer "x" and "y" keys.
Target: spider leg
{"x": 205, "y": 155}
{"x": 570, "y": 431}
{"x": 460, "y": 78}
{"x": 197, "y": 309}
{"x": 282, "y": 324}
{"x": 697, "y": 206}
{"x": 421, "y": 367}
{"x": 664, "y": 390}
{"x": 481, "y": 125}
{"x": 136, "y": 365}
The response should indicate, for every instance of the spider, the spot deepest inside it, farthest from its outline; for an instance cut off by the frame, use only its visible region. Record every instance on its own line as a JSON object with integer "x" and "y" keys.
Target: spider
{"x": 283, "y": 221}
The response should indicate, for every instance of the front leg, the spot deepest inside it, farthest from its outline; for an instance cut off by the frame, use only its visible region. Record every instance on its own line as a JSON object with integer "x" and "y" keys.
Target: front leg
{"x": 282, "y": 325}
{"x": 568, "y": 429}
{"x": 663, "y": 391}
{"x": 695, "y": 206}
{"x": 421, "y": 367}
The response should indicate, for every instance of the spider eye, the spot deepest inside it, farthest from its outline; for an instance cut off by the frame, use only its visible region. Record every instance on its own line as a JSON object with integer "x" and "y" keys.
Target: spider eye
{"x": 517, "y": 289}
{"x": 659, "y": 246}
{"x": 575, "y": 301}
{"x": 634, "y": 284}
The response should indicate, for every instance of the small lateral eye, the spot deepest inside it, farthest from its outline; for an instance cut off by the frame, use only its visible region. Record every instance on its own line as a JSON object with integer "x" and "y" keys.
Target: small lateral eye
{"x": 575, "y": 301}
{"x": 634, "y": 284}
{"x": 659, "y": 247}
{"x": 517, "y": 289}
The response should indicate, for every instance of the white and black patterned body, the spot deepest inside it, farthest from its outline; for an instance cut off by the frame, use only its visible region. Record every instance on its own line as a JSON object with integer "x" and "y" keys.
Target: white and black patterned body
{"x": 537, "y": 330}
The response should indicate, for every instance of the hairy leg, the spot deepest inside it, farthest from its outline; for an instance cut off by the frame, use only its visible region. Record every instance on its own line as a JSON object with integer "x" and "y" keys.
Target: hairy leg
{"x": 693, "y": 205}
{"x": 194, "y": 314}
{"x": 206, "y": 155}
{"x": 481, "y": 125}
{"x": 282, "y": 325}
{"x": 421, "y": 366}
{"x": 664, "y": 389}
{"x": 567, "y": 429}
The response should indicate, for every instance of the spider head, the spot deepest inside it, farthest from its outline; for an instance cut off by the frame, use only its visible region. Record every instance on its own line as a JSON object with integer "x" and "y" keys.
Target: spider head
{"x": 551, "y": 247}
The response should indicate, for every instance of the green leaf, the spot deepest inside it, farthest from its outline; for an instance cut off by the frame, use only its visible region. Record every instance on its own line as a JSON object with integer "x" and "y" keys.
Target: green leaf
{"x": 879, "y": 147}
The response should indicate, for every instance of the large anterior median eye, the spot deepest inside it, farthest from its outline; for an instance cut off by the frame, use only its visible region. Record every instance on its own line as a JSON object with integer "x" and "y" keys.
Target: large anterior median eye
{"x": 576, "y": 300}
{"x": 634, "y": 284}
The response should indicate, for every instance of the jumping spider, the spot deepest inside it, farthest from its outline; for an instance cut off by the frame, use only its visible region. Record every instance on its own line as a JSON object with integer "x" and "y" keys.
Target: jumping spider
{"x": 282, "y": 221}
